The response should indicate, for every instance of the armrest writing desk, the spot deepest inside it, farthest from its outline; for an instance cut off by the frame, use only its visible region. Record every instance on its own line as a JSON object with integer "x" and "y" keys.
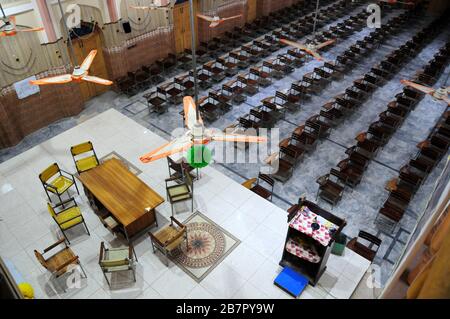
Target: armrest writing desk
{"x": 112, "y": 187}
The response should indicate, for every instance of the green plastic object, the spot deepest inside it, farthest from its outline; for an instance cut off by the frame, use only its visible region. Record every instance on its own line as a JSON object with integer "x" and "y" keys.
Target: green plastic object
{"x": 199, "y": 156}
{"x": 339, "y": 244}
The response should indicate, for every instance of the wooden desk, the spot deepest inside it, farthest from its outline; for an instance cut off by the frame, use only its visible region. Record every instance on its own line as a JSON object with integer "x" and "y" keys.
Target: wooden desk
{"x": 112, "y": 187}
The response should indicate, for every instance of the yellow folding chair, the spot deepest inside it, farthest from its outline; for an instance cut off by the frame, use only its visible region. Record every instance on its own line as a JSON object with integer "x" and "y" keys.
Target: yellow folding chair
{"x": 67, "y": 218}
{"x": 84, "y": 156}
{"x": 57, "y": 185}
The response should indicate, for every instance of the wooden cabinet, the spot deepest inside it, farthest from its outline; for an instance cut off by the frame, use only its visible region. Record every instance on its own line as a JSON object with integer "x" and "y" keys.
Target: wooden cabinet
{"x": 182, "y": 25}
{"x": 82, "y": 46}
{"x": 309, "y": 239}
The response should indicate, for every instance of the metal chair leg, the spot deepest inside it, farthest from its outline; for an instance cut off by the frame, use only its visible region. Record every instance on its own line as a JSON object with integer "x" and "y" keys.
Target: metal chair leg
{"x": 86, "y": 227}
{"x": 64, "y": 234}
{"x": 60, "y": 200}
{"x": 167, "y": 257}
{"x": 76, "y": 187}
{"x": 106, "y": 277}
{"x": 48, "y": 195}
{"x": 134, "y": 274}
{"x": 82, "y": 269}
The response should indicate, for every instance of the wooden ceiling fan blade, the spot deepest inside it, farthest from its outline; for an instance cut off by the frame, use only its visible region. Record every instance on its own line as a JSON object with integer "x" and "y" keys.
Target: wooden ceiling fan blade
{"x": 190, "y": 112}
{"x": 215, "y": 24}
{"x": 294, "y": 44}
{"x": 422, "y": 88}
{"x": 207, "y": 18}
{"x": 88, "y": 60}
{"x": 314, "y": 54}
{"x": 95, "y": 79}
{"x": 324, "y": 44}
{"x": 139, "y": 7}
{"x": 176, "y": 146}
{"x": 31, "y": 30}
{"x": 272, "y": 157}
{"x": 223, "y": 137}
{"x": 232, "y": 17}
{"x": 59, "y": 79}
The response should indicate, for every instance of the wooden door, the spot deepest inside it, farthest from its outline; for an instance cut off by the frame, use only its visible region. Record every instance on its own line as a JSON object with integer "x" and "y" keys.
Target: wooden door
{"x": 178, "y": 12}
{"x": 82, "y": 47}
{"x": 182, "y": 26}
{"x": 251, "y": 10}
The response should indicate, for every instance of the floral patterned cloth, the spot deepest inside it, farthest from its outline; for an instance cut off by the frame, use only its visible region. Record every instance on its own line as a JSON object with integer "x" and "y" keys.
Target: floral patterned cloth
{"x": 305, "y": 218}
{"x": 302, "y": 251}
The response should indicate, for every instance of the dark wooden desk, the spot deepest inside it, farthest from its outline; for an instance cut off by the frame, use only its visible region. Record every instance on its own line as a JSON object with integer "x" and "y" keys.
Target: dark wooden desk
{"x": 128, "y": 199}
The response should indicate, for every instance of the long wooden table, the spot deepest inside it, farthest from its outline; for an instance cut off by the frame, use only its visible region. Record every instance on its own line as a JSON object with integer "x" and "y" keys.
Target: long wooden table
{"x": 122, "y": 194}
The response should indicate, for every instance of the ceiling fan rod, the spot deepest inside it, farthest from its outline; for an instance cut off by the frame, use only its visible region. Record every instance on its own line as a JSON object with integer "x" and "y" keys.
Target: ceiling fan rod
{"x": 3, "y": 12}
{"x": 315, "y": 19}
{"x": 66, "y": 30}
{"x": 194, "y": 58}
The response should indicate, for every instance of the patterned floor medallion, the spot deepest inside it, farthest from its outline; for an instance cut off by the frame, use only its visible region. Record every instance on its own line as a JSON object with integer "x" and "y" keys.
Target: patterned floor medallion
{"x": 208, "y": 245}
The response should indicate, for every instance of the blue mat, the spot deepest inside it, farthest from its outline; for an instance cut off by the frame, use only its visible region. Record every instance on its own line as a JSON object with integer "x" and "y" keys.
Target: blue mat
{"x": 291, "y": 281}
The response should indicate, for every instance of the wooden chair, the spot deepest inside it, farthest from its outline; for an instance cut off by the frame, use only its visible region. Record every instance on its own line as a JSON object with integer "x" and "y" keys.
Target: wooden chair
{"x": 179, "y": 192}
{"x": 229, "y": 66}
{"x": 173, "y": 91}
{"x": 57, "y": 185}
{"x": 331, "y": 187}
{"x": 204, "y": 78}
{"x": 221, "y": 100}
{"x": 332, "y": 113}
{"x": 84, "y": 156}
{"x": 216, "y": 70}
{"x": 177, "y": 169}
{"x": 126, "y": 85}
{"x": 257, "y": 187}
{"x": 116, "y": 260}
{"x": 263, "y": 78}
{"x": 155, "y": 74}
{"x": 293, "y": 144}
{"x": 156, "y": 101}
{"x": 368, "y": 250}
{"x": 67, "y": 218}
{"x": 253, "y": 53}
{"x": 249, "y": 84}
{"x": 286, "y": 164}
{"x": 142, "y": 78}
{"x": 352, "y": 172}
{"x": 169, "y": 238}
{"x": 208, "y": 109}
{"x": 60, "y": 261}
{"x": 186, "y": 84}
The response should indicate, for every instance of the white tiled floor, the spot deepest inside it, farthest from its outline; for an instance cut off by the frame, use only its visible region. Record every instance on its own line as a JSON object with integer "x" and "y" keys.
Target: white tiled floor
{"x": 248, "y": 272}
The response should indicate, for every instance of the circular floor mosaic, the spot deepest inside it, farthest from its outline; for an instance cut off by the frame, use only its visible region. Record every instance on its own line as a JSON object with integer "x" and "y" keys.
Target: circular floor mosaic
{"x": 206, "y": 245}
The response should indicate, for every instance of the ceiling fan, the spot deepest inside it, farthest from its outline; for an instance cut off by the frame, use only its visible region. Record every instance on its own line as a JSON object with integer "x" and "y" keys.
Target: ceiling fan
{"x": 196, "y": 134}
{"x": 216, "y": 20}
{"x": 395, "y": 1}
{"x": 80, "y": 72}
{"x": 440, "y": 94}
{"x": 152, "y": 6}
{"x": 9, "y": 28}
{"x": 310, "y": 48}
